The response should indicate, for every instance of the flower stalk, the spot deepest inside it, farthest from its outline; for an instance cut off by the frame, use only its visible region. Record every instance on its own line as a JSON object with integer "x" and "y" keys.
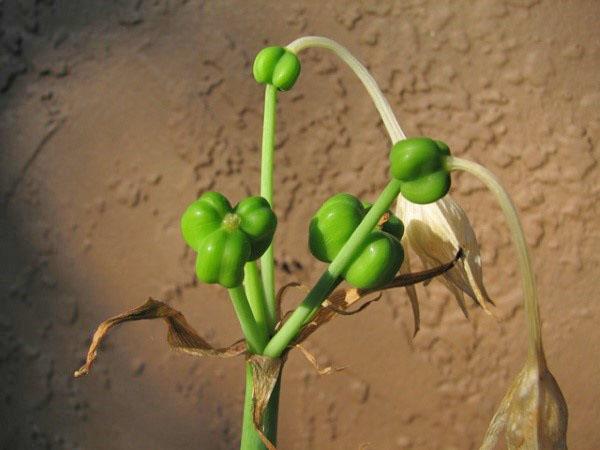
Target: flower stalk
{"x": 256, "y": 337}
{"x": 532, "y": 313}
{"x": 267, "y": 261}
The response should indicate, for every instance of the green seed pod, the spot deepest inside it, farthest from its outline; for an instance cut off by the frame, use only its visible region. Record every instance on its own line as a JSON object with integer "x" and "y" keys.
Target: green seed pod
{"x": 381, "y": 255}
{"x": 419, "y": 163}
{"x": 277, "y": 66}
{"x": 258, "y": 221}
{"x": 333, "y": 224}
{"x": 226, "y": 238}
{"x": 377, "y": 263}
{"x": 392, "y": 224}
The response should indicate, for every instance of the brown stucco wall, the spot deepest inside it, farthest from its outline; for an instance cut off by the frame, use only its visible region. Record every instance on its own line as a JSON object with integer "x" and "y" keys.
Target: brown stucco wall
{"x": 114, "y": 115}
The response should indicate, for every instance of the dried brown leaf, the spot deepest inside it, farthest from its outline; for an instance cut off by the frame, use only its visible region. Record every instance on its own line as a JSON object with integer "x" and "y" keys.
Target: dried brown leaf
{"x": 279, "y": 297}
{"x": 181, "y": 336}
{"x": 347, "y": 312}
{"x": 339, "y": 299}
{"x": 533, "y": 413}
{"x": 339, "y": 302}
{"x": 328, "y": 370}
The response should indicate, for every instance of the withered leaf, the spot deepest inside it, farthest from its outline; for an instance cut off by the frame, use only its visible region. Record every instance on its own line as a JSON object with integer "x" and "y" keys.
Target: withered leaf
{"x": 181, "y": 336}
{"x": 339, "y": 302}
{"x": 279, "y": 299}
{"x": 327, "y": 370}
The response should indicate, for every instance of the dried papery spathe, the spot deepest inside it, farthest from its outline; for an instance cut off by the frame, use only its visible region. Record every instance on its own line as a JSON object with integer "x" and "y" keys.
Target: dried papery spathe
{"x": 436, "y": 232}
{"x": 533, "y": 413}
{"x": 265, "y": 372}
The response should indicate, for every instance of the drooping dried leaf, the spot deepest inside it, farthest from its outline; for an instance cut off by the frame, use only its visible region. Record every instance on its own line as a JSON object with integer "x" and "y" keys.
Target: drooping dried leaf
{"x": 533, "y": 413}
{"x": 348, "y": 311}
{"x": 265, "y": 372}
{"x": 181, "y": 336}
{"x": 339, "y": 302}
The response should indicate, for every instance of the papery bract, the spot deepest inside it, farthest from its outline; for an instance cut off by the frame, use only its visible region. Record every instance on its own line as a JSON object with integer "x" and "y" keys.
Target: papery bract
{"x": 436, "y": 232}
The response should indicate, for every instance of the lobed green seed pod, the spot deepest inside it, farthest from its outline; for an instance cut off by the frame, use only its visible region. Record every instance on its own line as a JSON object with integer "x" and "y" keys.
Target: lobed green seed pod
{"x": 226, "y": 238}
{"x": 277, "y": 66}
{"x": 381, "y": 255}
{"x": 333, "y": 224}
{"x": 377, "y": 263}
{"x": 419, "y": 163}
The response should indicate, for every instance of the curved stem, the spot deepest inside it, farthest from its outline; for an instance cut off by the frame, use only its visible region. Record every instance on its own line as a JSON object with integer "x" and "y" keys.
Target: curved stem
{"x": 532, "y": 313}
{"x": 383, "y": 107}
{"x": 267, "y": 262}
{"x": 256, "y": 337}
{"x": 331, "y": 278}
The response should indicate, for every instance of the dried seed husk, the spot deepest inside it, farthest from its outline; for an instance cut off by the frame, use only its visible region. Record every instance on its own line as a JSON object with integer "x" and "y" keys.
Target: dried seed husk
{"x": 533, "y": 413}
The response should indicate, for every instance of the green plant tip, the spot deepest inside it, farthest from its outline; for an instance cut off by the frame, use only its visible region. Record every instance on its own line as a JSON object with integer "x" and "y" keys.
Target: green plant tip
{"x": 419, "y": 164}
{"x": 277, "y": 66}
{"x": 231, "y": 222}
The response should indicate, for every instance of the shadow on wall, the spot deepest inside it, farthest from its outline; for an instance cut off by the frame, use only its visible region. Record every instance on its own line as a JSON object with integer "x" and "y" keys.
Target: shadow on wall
{"x": 59, "y": 246}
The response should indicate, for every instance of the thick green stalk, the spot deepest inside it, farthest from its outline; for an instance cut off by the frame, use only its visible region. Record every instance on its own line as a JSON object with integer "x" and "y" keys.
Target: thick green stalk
{"x": 267, "y": 262}
{"x": 331, "y": 277}
{"x": 256, "y": 295}
{"x": 256, "y": 337}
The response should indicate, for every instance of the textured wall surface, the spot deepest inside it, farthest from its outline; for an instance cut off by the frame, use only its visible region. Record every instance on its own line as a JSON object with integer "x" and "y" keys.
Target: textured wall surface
{"x": 114, "y": 115}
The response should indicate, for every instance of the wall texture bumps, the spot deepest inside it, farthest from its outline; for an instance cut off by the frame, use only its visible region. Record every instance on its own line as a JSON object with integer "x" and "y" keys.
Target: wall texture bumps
{"x": 115, "y": 115}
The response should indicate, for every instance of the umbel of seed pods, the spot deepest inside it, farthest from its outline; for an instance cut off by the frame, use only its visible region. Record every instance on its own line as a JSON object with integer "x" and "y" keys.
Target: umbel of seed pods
{"x": 226, "y": 237}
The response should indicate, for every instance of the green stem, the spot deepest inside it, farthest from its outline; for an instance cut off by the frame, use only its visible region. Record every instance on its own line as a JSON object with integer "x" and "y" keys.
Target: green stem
{"x": 532, "y": 313}
{"x": 256, "y": 337}
{"x": 331, "y": 277}
{"x": 267, "y": 262}
{"x": 250, "y": 439}
{"x": 256, "y": 295}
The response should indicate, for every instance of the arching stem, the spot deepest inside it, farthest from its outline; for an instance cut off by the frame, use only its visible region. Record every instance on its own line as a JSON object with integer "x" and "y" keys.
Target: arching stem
{"x": 532, "y": 313}
{"x": 383, "y": 107}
